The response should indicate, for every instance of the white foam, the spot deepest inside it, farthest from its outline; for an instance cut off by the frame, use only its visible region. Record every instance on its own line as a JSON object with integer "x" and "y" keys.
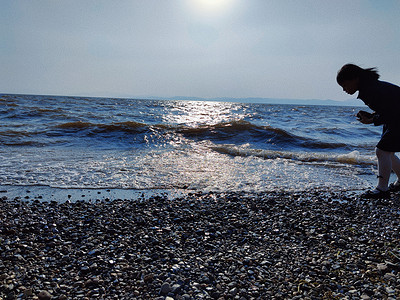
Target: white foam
{"x": 352, "y": 158}
{"x": 199, "y": 168}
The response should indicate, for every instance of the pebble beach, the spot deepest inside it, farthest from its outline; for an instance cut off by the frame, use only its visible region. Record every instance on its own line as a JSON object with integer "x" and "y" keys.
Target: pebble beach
{"x": 235, "y": 245}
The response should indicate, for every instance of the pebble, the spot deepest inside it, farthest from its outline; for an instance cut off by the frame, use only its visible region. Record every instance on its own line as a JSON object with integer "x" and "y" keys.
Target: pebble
{"x": 165, "y": 289}
{"x": 275, "y": 245}
{"x": 44, "y": 295}
{"x": 382, "y": 267}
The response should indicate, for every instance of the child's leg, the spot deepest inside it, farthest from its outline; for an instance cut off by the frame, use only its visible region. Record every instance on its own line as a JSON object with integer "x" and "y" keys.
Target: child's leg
{"x": 395, "y": 165}
{"x": 384, "y": 168}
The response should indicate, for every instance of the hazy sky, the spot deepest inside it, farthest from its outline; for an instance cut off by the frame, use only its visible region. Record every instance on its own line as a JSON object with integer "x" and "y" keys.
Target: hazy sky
{"x": 202, "y": 48}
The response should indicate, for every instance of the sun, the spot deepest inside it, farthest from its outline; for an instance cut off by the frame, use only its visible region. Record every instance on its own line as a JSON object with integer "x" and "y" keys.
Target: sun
{"x": 211, "y": 7}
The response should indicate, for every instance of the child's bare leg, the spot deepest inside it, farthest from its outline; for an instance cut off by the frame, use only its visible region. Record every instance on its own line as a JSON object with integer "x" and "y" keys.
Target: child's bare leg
{"x": 384, "y": 168}
{"x": 396, "y": 165}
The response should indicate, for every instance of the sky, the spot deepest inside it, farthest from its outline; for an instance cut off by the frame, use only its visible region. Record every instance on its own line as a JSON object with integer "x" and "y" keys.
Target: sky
{"x": 288, "y": 49}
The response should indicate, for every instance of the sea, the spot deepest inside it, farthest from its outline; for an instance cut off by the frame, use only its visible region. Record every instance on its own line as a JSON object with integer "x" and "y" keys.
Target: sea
{"x": 165, "y": 145}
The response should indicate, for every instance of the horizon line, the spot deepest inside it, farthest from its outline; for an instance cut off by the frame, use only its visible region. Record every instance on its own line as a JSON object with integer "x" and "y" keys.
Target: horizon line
{"x": 255, "y": 100}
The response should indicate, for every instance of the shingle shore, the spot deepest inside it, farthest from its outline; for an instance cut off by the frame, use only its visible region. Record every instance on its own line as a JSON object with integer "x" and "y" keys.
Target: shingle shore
{"x": 276, "y": 245}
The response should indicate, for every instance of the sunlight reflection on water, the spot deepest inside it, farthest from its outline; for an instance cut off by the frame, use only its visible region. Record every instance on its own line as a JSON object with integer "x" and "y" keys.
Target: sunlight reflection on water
{"x": 194, "y": 113}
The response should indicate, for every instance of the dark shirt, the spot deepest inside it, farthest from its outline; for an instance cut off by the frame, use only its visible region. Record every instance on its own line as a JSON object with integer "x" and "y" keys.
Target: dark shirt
{"x": 383, "y": 98}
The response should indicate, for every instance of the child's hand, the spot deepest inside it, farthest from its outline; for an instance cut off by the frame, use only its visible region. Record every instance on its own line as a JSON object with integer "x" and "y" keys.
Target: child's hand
{"x": 365, "y": 117}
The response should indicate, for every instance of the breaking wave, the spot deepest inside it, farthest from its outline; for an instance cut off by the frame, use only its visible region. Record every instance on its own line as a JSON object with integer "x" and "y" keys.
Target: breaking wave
{"x": 233, "y": 132}
{"x": 352, "y": 158}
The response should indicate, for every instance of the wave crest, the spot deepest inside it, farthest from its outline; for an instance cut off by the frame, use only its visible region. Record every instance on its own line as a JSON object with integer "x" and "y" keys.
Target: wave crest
{"x": 234, "y": 132}
{"x": 352, "y": 158}
{"x": 128, "y": 126}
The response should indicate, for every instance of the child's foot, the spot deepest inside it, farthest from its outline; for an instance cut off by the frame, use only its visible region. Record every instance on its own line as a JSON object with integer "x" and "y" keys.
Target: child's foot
{"x": 376, "y": 194}
{"x": 395, "y": 186}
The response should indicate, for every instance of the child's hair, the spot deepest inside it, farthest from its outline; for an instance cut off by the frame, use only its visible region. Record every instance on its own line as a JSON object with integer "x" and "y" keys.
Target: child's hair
{"x": 350, "y": 71}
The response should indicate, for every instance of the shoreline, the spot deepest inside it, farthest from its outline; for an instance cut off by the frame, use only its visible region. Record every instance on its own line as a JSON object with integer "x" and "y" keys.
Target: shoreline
{"x": 233, "y": 245}
{"x": 44, "y": 193}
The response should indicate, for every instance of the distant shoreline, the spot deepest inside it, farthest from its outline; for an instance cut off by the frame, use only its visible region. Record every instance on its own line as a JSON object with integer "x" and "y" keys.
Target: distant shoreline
{"x": 253, "y": 100}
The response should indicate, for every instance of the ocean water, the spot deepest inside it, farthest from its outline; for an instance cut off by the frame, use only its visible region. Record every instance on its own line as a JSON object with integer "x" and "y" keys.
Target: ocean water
{"x": 76, "y": 142}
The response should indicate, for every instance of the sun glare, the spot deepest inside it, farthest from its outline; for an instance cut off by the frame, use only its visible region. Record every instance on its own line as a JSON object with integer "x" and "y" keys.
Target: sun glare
{"x": 211, "y": 7}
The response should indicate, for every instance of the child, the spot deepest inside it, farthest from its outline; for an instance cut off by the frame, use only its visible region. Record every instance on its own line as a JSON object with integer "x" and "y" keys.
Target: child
{"x": 384, "y": 99}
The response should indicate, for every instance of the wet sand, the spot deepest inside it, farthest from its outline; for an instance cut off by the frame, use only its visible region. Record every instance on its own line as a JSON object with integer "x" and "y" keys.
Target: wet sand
{"x": 276, "y": 245}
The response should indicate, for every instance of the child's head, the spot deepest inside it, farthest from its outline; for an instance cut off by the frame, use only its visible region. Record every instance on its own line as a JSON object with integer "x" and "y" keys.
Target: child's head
{"x": 352, "y": 72}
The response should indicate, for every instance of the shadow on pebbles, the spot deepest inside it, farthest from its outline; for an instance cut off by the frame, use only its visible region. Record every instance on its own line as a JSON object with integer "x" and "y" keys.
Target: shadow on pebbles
{"x": 276, "y": 245}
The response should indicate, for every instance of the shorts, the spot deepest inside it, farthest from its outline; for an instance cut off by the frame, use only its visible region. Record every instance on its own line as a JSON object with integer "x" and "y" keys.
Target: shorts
{"x": 390, "y": 139}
